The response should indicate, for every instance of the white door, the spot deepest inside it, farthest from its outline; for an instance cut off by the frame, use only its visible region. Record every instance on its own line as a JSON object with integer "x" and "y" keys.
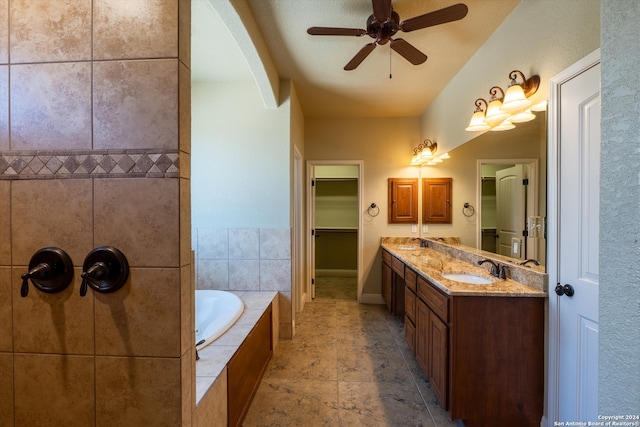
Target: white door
{"x": 578, "y": 227}
{"x": 510, "y": 211}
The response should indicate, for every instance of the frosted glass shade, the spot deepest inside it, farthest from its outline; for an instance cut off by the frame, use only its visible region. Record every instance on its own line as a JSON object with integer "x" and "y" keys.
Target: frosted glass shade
{"x": 505, "y": 125}
{"x": 515, "y": 99}
{"x": 522, "y": 117}
{"x": 477, "y": 122}
{"x": 495, "y": 114}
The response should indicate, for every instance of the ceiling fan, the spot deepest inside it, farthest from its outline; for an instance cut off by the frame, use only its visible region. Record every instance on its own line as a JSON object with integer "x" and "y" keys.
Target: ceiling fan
{"x": 384, "y": 23}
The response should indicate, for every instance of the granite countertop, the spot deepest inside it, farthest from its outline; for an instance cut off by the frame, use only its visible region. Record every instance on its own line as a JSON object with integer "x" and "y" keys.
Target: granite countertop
{"x": 431, "y": 264}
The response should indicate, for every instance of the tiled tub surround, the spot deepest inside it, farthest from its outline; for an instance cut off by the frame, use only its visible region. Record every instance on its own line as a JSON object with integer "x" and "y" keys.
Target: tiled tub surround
{"x": 439, "y": 257}
{"x": 94, "y": 150}
{"x": 246, "y": 259}
{"x": 211, "y": 373}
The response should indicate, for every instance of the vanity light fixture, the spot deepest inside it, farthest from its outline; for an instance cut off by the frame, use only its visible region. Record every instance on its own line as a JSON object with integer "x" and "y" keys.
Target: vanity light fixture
{"x": 505, "y": 109}
{"x": 423, "y": 152}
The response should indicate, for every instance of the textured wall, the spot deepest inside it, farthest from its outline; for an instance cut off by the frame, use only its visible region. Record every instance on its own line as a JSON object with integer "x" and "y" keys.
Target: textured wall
{"x": 619, "y": 357}
{"x": 94, "y": 129}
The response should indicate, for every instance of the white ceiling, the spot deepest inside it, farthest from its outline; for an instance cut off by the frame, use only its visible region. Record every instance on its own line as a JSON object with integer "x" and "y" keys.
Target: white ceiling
{"x": 315, "y": 63}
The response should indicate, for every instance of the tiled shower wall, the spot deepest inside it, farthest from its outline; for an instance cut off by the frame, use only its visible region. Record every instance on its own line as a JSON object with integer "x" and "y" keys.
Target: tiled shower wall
{"x": 94, "y": 150}
{"x": 246, "y": 259}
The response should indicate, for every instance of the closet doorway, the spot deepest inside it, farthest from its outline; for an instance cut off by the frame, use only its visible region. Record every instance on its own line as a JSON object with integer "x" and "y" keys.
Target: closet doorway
{"x": 334, "y": 222}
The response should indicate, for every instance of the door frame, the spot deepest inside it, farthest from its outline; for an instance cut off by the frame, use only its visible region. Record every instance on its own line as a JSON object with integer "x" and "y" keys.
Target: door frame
{"x": 298, "y": 274}
{"x": 553, "y": 233}
{"x": 310, "y": 210}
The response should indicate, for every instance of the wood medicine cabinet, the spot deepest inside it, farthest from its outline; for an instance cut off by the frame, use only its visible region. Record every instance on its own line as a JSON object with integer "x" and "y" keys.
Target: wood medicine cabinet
{"x": 403, "y": 200}
{"x": 436, "y": 200}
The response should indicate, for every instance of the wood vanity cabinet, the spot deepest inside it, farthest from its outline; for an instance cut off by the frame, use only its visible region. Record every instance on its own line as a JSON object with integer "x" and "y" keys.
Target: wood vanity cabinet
{"x": 432, "y": 337}
{"x": 410, "y": 278}
{"x": 403, "y": 201}
{"x": 483, "y": 355}
{"x": 393, "y": 284}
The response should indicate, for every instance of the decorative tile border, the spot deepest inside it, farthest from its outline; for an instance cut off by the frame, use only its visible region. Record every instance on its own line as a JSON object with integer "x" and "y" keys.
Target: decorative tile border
{"x": 89, "y": 164}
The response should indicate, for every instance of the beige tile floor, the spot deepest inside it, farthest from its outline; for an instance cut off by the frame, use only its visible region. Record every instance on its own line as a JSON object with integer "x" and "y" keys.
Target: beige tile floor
{"x": 348, "y": 365}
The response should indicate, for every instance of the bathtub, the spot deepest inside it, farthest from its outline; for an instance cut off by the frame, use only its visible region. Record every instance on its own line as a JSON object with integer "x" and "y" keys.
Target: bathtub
{"x": 216, "y": 311}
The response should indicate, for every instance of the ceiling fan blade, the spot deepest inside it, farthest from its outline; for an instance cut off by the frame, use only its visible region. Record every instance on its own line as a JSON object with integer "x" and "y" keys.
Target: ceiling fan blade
{"x": 441, "y": 16}
{"x": 360, "y": 56}
{"x": 381, "y": 10}
{"x": 329, "y": 31}
{"x": 408, "y": 51}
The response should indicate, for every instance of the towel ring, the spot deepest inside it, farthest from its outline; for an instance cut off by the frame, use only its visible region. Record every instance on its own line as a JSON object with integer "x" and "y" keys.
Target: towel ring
{"x": 468, "y": 210}
{"x": 373, "y": 210}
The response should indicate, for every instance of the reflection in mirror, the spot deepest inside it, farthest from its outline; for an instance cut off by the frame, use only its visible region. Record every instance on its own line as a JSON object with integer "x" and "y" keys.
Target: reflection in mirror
{"x": 512, "y": 194}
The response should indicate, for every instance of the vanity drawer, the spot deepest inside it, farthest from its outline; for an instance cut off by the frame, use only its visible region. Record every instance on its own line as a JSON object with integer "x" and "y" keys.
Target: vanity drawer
{"x": 437, "y": 301}
{"x": 397, "y": 266}
{"x": 386, "y": 257}
{"x": 410, "y": 278}
{"x": 410, "y": 304}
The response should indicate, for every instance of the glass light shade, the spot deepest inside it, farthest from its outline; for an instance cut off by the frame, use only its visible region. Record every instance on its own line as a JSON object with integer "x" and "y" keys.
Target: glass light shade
{"x": 505, "y": 125}
{"x": 514, "y": 99}
{"x": 540, "y": 106}
{"x": 522, "y": 117}
{"x": 477, "y": 122}
{"x": 415, "y": 160}
{"x": 494, "y": 113}
{"x": 445, "y": 156}
{"x": 425, "y": 154}
{"x": 436, "y": 160}
{"x": 431, "y": 163}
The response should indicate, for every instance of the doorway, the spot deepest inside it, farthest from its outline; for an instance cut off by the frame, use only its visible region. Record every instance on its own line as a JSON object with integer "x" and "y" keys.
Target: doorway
{"x": 334, "y": 218}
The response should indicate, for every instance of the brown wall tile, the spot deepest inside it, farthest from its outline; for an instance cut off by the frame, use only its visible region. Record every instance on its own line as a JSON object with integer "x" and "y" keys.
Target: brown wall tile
{"x": 6, "y": 389}
{"x": 136, "y": 103}
{"x": 213, "y": 406}
{"x": 135, "y": 29}
{"x": 138, "y": 392}
{"x": 5, "y": 223}
{"x": 54, "y": 390}
{"x": 185, "y": 222}
{"x": 188, "y": 378}
{"x": 143, "y": 317}
{"x": 48, "y": 31}
{"x": 51, "y": 213}
{"x": 50, "y": 106}
{"x": 52, "y": 323}
{"x": 141, "y": 218}
{"x": 4, "y": 106}
{"x": 6, "y": 311}
{"x": 4, "y": 31}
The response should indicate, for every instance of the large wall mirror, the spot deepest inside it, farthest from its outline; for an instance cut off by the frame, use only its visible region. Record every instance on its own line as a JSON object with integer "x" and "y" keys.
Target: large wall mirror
{"x": 490, "y": 170}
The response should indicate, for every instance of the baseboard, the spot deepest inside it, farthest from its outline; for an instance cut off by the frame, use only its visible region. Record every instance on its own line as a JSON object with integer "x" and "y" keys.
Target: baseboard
{"x": 336, "y": 273}
{"x": 371, "y": 299}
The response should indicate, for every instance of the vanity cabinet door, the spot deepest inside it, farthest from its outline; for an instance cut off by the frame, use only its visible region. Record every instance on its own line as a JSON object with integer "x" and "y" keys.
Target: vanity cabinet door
{"x": 403, "y": 200}
{"x": 410, "y": 334}
{"x": 422, "y": 336}
{"x": 387, "y": 284}
{"x": 438, "y": 357}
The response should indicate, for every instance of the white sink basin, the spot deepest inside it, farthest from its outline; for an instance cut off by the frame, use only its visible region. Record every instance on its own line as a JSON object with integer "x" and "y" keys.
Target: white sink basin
{"x": 409, "y": 247}
{"x": 467, "y": 278}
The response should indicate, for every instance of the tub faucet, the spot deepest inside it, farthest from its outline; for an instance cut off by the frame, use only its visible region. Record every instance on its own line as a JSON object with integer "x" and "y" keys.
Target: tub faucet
{"x": 197, "y": 344}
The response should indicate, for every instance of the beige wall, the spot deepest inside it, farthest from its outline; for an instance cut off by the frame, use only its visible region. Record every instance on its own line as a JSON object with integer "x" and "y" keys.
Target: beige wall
{"x": 539, "y": 37}
{"x": 84, "y": 77}
{"x": 385, "y": 146}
